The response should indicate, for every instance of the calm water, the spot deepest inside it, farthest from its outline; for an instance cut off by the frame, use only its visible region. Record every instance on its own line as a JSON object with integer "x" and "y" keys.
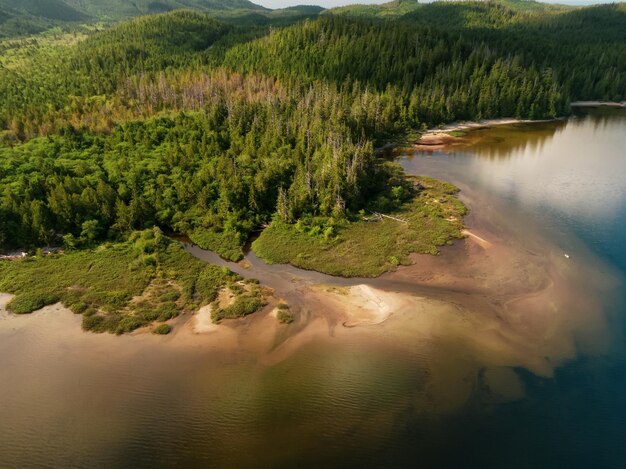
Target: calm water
{"x": 568, "y": 181}
{"x": 69, "y": 399}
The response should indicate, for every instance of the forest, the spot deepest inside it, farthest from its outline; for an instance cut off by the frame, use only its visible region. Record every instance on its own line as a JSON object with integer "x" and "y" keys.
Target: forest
{"x": 212, "y": 128}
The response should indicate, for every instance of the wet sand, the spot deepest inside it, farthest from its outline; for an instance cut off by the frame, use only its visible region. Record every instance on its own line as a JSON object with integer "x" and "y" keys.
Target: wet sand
{"x": 498, "y": 300}
{"x": 503, "y": 298}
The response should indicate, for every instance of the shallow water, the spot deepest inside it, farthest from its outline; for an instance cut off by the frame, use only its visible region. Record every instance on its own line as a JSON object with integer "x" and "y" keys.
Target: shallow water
{"x": 514, "y": 362}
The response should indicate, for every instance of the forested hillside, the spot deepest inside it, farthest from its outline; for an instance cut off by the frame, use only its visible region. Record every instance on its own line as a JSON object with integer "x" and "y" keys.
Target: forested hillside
{"x": 212, "y": 129}
{"x": 24, "y": 17}
{"x": 33, "y": 16}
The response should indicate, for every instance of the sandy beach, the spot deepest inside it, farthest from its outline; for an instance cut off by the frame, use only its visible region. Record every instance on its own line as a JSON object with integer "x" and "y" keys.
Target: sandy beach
{"x": 443, "y": 138}
{"x": 492, "y": 300}
{"x": 504, "y": 297}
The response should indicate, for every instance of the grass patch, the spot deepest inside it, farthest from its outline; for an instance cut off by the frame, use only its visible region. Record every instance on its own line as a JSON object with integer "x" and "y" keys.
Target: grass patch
{"x": 25, "y": 304}
{"x": 227, "y": 244}
{"x": 365, "y": 248}
{"x": 113, "y": 286}
{"x": 243, "y": 305}
{"x": 457, "y": 133}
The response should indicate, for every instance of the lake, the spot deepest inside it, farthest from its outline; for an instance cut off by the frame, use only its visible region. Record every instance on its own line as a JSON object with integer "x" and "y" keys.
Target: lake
{"x": 506, "y": 350}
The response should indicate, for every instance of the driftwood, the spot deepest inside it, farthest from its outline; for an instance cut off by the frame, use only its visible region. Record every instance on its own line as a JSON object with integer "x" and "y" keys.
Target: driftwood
{"x": 379, "y": 216}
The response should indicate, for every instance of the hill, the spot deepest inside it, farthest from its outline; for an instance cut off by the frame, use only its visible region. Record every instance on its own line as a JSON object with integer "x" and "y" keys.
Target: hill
{"x": 217, "y": 128}
{"x": 34, "y": 16}
{"x": 122, "y": 9}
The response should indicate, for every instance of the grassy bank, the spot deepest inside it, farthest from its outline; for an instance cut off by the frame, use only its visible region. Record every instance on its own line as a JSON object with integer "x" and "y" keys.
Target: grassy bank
{"x": 117, "y": 287}
{"x": 369, "y": 248}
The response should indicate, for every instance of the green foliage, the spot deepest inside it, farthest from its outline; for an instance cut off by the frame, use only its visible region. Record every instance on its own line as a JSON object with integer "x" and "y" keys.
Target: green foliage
{"x": 208, "y": 281}
{"x": 243, "y": 305}
{"x": 128, "y": 324}
{"x": 31, "y": 301}
{"x": 284, "y": 316}
{"x": 162, "y": 329}
{"x": 368, "y": 248}
{"x": 227, "y": 244}
{"x": 100, "y": 284}
{"x": 32, "y": 16}
{"x": 198, "y": 126}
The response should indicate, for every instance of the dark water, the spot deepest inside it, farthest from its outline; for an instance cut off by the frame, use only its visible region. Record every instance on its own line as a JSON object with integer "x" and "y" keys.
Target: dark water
{"x": 70, "y": 399}
{"x": 565, "y": 178}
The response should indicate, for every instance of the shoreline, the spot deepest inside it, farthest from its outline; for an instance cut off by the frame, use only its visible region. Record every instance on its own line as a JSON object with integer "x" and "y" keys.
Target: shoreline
{"x": 596, "y": 104}
{"x": 493, "y": 301}
{"x": 481, "y": 305}
{"x": 441, "y": 138}
{"x": 504, "y": 297}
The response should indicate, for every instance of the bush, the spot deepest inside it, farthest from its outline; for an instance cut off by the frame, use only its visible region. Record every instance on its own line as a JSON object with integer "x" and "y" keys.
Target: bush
{"x": 162, "y": 329}
{"x": 243, "y": 306}
{"x": 92, "y": 323}
{"x": 148, "y": 314}
{"x": 236, "y": 289}
{"x": 167, "y": 311}
{"x": 170, "y": 296}
{"x": 29, "y": 302}
{"x": 128, "y": 324}
{"x": 209, "y": 281}
{"x": 284, "y": 316}
{"x": 79, "y": 308}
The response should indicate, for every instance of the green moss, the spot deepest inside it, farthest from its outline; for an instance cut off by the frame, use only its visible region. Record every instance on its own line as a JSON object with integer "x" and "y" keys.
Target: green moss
{"x": 369, "y": 248}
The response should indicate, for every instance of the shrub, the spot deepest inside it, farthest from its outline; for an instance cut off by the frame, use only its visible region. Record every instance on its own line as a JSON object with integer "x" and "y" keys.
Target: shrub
{"x": 162, "y": 329}
{"x": 79, "y": 308}
{"x": 148, "y": 314}
{"x": 167, "y": 311}
{"x": 169, "y": 296}
{"x": 29, "y": 302}
{"x": 209, "y": 281}
{"x": 284, "y": 316}
{"x": 128, "y": 324}
{"x": 92, "y": 323}
{"x": 243, "y": 306}
{"x": 236, "y": 289}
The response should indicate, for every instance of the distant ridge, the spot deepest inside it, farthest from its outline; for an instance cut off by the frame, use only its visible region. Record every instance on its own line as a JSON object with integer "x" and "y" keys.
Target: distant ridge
{"x": 23, "y": 17}
{"x": 120, "y": 9}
